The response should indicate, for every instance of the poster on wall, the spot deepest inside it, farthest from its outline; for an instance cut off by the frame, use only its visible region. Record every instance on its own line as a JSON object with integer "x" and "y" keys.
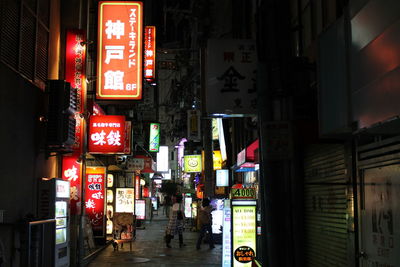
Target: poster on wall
{"x": 380, "y": 217}
{"x": 124, "y": 200}
{"x": 119, "y": 50}
{"x": 243, "y": 234}
{"x": 94, "y": 196}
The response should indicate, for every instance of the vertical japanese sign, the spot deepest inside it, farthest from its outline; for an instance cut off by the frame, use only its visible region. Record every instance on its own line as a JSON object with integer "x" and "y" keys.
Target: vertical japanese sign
{"x": 72, "y": 172}
{"x": 75, "y": 57}
{"x": 149, "y": 52}
{"x": 226, "y": 236}
{"x": 107, "y": 134}
{"x": 94, "y": 196}
{"x": 193, "y": 124}
{"x": 231, "y": 77}
{"x": 119, "y": 51}
{"x": 137, "y": 186}
{"x": 217, "y": 160}
{"x": 243, "y": 234}
{"x": 154, "y": 141}
{"x": 128, "y": 137}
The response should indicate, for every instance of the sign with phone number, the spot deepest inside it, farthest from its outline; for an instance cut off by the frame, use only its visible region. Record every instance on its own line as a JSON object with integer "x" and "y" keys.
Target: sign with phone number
{"x": 243, "y": 193}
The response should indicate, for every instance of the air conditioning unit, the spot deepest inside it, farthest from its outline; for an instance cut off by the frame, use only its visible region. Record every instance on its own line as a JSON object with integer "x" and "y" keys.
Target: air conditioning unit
{"x": 60, "y": 115}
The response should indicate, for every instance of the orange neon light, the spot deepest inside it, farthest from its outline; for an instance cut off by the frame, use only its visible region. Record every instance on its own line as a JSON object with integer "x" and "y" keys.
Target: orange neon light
{"x": 119, "y": 57}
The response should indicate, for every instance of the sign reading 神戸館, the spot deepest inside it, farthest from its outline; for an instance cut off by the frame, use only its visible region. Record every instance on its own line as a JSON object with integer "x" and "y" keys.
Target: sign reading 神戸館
{"x": 119, "y": 52}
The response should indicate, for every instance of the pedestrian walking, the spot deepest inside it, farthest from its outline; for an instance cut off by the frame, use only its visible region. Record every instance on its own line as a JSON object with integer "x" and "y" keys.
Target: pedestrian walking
{"x": 176, "y": 222}
{"x": 205, "y": 219}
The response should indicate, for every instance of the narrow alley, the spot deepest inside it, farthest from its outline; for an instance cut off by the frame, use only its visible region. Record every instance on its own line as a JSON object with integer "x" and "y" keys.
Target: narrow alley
{"x": 149, "y": 249}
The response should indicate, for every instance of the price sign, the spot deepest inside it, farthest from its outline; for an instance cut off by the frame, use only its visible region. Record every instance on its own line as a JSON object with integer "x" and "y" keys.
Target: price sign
{"x": 243, "y": 193}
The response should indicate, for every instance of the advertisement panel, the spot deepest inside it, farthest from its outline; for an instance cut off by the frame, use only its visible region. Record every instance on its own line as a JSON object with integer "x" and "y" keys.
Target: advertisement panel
{"x": 222, "y": 177}
{"x": 106, "y": 134}
{"x": 154, "y": 139}
{"x": 94, "y": 196}
{"x": 217, "y": 160}
{"x": 163, "y": 159}
{"x": 192, "y": 163}
{"x": 243, "y": 234}
{"x": 124, "y": 200}
{"x": 149, "y": 52}
{"x": 140, "y": 209}
{"x": 119, "y": 50}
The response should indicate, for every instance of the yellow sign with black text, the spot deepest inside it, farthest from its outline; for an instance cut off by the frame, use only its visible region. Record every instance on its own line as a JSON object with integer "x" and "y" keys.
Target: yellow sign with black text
{"x": 243, "y": 193}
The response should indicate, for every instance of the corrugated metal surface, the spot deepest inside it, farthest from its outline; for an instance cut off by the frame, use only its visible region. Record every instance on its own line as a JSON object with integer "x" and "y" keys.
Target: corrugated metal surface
{"x": 325, "y": 193}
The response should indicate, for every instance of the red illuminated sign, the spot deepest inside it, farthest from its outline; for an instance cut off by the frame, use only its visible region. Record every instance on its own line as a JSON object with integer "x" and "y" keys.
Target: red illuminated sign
{"x": 137, "y": 186}
{"x": 149, "y": 52}
{"x": 75, "y": 57}
{"x": 72, "y": 172}
{"x": 94, "y": 196}
{"x": 106, "y": 134}
{"x": 119, "y": 51}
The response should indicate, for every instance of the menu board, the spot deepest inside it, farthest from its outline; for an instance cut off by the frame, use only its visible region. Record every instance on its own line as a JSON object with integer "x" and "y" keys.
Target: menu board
{"x": 244, "y": 235}
{"x": 94, "y": 195}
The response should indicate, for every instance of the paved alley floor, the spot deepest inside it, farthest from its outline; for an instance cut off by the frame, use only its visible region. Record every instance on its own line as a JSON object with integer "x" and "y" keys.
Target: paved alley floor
{"x": 149, "y": 250}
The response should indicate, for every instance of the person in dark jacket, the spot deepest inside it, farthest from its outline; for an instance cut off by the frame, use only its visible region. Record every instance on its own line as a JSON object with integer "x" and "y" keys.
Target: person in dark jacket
{"x": 205, "y": 219}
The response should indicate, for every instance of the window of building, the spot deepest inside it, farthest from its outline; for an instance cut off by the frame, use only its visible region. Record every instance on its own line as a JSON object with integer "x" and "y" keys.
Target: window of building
{"x": 24, "y": 37}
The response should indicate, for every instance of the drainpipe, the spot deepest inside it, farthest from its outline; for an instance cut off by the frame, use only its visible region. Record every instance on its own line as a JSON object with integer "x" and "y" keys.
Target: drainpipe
{"x": 82, "y": 222}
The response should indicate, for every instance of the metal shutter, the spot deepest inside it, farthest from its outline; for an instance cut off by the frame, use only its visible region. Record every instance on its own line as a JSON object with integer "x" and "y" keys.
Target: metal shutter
{"x": 325, "y": 205}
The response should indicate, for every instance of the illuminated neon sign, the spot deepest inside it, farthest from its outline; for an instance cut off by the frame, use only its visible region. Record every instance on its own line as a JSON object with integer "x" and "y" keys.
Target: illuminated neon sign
{"x": 119, "y": 51}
